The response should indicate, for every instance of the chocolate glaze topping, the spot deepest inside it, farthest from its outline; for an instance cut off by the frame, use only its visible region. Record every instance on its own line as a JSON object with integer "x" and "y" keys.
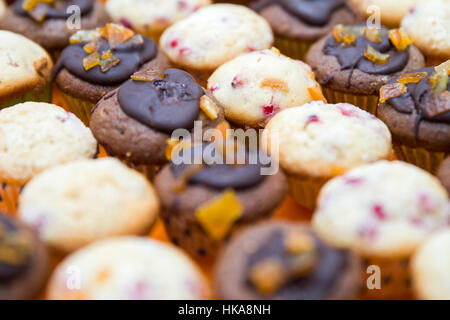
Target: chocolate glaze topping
{"x": 352, "y": 56}
{"x": 132, "y": 56}
{"x": 9, "y": 232}
{"x": 56, "y": 11}
{"x": 165, "y": 103}
{"x": 315, "y": 285}
{"x": 313, "y": 12}
{"x": 221, "y": 176}
{"x": 418, "y": 99}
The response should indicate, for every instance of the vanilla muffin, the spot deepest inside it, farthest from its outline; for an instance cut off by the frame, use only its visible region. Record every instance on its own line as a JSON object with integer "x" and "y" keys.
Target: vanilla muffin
{"x": 25, "y": 70}
{"x": 128, "y": 268}
{"x": 317, "y": 141}
{"x": 214, "y": 35}
{"x": 253, "y": 87}
{"x": 34, "y": 137}
{"x": 384, "y": 212}
{"x": 151, "y": 17}
{"x": 430, "y": 268}
{"x": 75, "y": 204}
{"x": 391, "y": 12}
{"x": 434, "y": 39}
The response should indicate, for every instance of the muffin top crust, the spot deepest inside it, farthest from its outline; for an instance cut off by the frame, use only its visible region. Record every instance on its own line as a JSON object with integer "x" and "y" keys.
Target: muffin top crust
{"x": 215, "y": 34}
{"x": 37, "y": 136}
{"x": 24, "y": 65}
{"x": 324, "y": 140}
{"x": 255, "y": 86}
{"x": 129, "y": 268}
{"x": 385, "y": 209}
{"x": 83, "y": 201}
{"x": 434, "y": 39}
{"x": 152, "y": 16}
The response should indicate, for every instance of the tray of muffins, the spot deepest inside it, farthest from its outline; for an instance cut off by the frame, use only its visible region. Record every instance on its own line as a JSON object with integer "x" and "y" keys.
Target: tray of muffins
{"x": 232, "y": 150}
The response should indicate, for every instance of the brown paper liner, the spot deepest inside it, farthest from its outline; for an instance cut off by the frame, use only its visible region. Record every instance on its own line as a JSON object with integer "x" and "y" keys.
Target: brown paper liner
{"x": 296, "y": 49}
{"x": 395, "y": 279}
{"x": 43, "y": 95}
{"x": 147, "y": 170}
{"x": 9, "y": 197}
{"x": 81, "y": 108}
{"x": 368, "y": 103}
{"x": 305, "y": 190}
{"x": 423, "y": 158}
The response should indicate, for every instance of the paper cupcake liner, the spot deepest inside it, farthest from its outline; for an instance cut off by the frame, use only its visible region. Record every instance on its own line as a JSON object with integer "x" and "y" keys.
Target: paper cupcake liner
{"x": 305, "y": 190}
{"x": 368, "y": 103}
{"x": 44, "y": 95}
{"x": 9, "y": 197}
{"x": 147, "y": 170}
{"x": 423, "y": 158}
{"x": 293, "y": 48}
{"x": 392, "y": 282}
{"x": 81, "y": 108}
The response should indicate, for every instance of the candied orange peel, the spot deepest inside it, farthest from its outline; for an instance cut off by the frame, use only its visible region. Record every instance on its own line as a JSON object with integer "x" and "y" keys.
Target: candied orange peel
{"x": 316, "y": 93}
{"x": 444, "y": 67}
{"x": 299, "y": 242}
{"x": 346, "y": 34}
{"x": 218, "y": 216}
{"x": 209, "y": 107}
{"x": 268, "y": 276}
{"x": 375, "y": 56}
{"x": 412, "y": 77}
{"x": 400, "y": 39}
{"x": 439, "y": 81}
{"x": 391, "y": 90}
{"x": 31, "y": 4}
{"x": 115, "y": 34}
{"x": 373, "y": 34}
{"x": 91, "y": 61}
{"x": 275, "y": 84}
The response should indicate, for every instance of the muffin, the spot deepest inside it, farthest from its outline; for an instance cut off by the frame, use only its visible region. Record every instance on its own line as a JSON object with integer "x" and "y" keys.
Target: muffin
{"x": 298, "y": 24}
{"x": 383, "y": 212}
{"x": 316, "y": 142}
{"x": 23, "y": 261}
{"x": 255, "y": 86}
{"x": 214, "y": 35}
{"x": 430, "y": 268}
{"x": 26, "y": 70}
{"x": 444, "y": 174}
{"x": 284, "y": 261}
{"x": 151, "y": 18}
{"x": 204, "y": 200}
{"x": 353, "y": 63}
{"x": 47, "y": 22}
{"x": 98, "y": 61}
{"x": 434, "y": 39}
{"x": 34, "y": 137}
{"x": 80, "y": 202}
{"x": 416, "y": 108}
{"x": 123, "y": 123}
{"x": 128, "y": 268}
{"x": 390, "y": 12}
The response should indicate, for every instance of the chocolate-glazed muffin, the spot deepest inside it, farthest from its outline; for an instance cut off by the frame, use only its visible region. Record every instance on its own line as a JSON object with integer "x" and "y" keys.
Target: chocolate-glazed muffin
{"x": 284, "y": 261}
{"x": 23, "y": 261}
{"x": 98, "y": 61}
{"x": 205, "y": 201}
{"x": 299, "y": 23}
{"x": 353, "y": 62}
{"x": 416, "y": 108}
{"x": 46, "y": 22}
{"x": 444, "y": 174}
{"x": 135, "y": 121}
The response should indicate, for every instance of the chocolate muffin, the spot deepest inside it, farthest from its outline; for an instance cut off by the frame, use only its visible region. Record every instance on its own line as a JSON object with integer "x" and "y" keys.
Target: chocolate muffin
{"x": 205, "y": 201}
{"x": 46, "y": 22}
{"x": 299, "y": 23}
{"x": 135, "y": 121}
{"x": 416, "y": 108}
{"x": 284, "y": 261}
{"x": 23, "y": 261}
{"x": 98, "y": 61}
{"x": 444, "y": 174}
{"x": 353, "y": 62}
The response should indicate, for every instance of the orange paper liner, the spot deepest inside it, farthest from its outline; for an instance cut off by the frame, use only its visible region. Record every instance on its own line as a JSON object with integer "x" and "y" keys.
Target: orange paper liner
{"x": 81, "y": 108}
{"x": 368, "y": 103}
{"x": 305, "y": 190}
{"x": 9, "y": 197}
{"x": 423, "y": 158}
{"x": 296, "y": 49}
{"x": 44, "y": 95}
